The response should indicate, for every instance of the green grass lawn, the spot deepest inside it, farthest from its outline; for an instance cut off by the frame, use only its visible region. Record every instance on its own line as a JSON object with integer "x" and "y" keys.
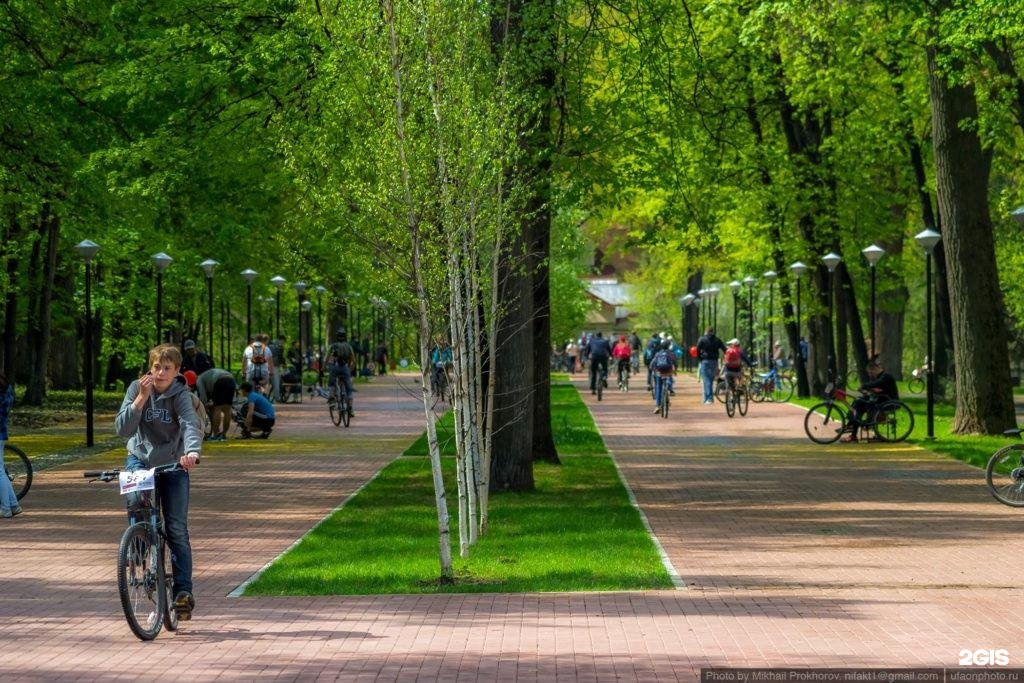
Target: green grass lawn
{"x": 973, "y": 450}
{"x": 576, "y": 532}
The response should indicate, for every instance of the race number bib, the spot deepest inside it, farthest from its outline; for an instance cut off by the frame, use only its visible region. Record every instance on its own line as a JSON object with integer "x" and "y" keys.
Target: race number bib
{"x": 137, "y": 480}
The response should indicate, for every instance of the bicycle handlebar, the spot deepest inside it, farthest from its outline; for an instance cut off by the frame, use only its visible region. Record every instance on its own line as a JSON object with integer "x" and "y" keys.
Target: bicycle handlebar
{"x": 110, "y": 475}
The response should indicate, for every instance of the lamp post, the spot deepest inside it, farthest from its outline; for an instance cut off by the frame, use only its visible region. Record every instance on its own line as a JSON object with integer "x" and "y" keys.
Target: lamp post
{"x": 803, "y": 390}
{"x": 770, "y": 276}
{"x": 249, "y": 274}
{"x": 927, "y": 239}
{"x": 750, "y": 281}
{"x": 208, "y": 265}
{"x": 308, "y": 348}
{"x": 831, "y": 260}
{"x": 735, "y": 286}
{"x": 87, "y": 250}
{"x": 873, "y": 254}
{"x": 160, "y": 263}
{"x": 300, "y": 290}
{"x": 320, "y": 289}
{"x": 278, "y": 283}
{"x": 702, "y": 295}
{"x": 686, "y": 300}
{"x": 713, "y": 292}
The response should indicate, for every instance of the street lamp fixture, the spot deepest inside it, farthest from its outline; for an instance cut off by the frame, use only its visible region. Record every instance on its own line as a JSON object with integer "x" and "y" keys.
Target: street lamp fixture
{"x": 249, "y": 275}
{"x": 873, "y": 254}
{"x": 87, "y": 250}
{"x": 927, "y": 239}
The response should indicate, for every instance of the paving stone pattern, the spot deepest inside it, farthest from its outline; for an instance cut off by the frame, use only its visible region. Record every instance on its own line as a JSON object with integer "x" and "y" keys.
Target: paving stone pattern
{"x": 793, "y": 555}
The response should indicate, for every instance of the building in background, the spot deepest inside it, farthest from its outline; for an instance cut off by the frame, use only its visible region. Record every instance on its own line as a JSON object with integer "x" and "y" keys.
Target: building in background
{"x": 613, "y": 298}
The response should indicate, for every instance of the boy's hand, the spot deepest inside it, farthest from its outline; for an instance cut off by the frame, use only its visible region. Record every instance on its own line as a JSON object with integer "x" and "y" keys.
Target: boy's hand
{"x": 188, "y": 461}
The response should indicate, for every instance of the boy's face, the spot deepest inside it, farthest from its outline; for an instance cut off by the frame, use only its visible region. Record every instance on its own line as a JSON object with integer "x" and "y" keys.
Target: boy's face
{"x": 163, "y": 373}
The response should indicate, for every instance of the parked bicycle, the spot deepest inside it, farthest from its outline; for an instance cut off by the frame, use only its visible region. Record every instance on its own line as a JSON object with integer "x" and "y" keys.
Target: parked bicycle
{"x": 889, "y": 420}
{"x": 918, "y": 379}
{"x": 144, "y": 579}
{"x": 1004, "y": 474}
{"x": 770, "y": 386}
{"x": 17, "y": 468}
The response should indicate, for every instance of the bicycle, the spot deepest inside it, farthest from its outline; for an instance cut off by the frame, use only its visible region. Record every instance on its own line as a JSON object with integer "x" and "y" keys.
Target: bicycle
{"x": 623, "y": 377}
{"x": 144, "y": 580}
{"x": 736, "y": 398}
{"x": 663, "y": 396}
{"x": 890, "y": 420}
{"x": 18, "y": 468}
{"x": 337, "y": 404}
{"x": 1004, "y": 474}
{"x": 770, "y": 386}
{"x": 918, "y": 379}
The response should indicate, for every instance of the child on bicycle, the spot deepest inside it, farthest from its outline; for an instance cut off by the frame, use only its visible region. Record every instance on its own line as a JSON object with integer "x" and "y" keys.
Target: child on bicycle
{"x": 157, "y": 418}
{"x": 622, "y": 354}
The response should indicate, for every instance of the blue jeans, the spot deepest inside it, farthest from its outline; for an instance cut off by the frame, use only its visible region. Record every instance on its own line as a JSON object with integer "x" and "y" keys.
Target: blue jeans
{"x": 173, "y": 488}
{"x": 659, "y": 382}
{"x": 708, "y": 372}
{"x": 8, "y": 498}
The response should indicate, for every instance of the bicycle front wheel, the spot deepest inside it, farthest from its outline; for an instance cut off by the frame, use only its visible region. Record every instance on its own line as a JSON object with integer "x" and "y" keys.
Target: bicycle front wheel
{"x": 140, "y": 582}
{"x": 916, "y": 385}
{"x": 759, "y": 391}
{"x": 1005, "y": 475}
{"x": 344, "y": 409}
{"x": 730, "y": 402}
{"x": 895, "y": 421}
{"x": 824, "y": 422}
{"x": 335, "y": 409}
{"x": 720, "y": 389}
{"x": 170, "y": 614}
{"x": 742, "y": 400}
{"x": 18, "y": 468}
{"x": 664, "y": 402}
{"x": 782, "y": 391}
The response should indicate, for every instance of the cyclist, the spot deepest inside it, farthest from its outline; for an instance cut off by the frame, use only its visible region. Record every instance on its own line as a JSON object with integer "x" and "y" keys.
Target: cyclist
{"x": 663, "y": 366}
{"x": 343, "y": 361}
{"x": 708, "y": 347}
{"x": 157, "y": 418}
{"x": 622, "y": 353}
{"x": 9, "y": 506}
{"x": 652, "y": 348}
{"x": 881, "y": 387}
{"x": 598, "y": 350}
{"x": 732, "y": 364}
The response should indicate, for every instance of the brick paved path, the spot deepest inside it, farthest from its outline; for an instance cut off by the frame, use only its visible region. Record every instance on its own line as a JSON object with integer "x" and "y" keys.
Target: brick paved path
{"x": 792, "y": 554}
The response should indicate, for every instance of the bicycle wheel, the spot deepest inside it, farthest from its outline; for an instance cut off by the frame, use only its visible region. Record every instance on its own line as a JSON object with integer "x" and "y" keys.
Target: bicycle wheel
{"x": 600, "y": 386}
{"x": 720, "y": 387}
{"x": 916, "y": 385}
{"x": 333, "y": 405}
{"x": 824, "y": 422}
{"x": 730, "y": 402}
{"x": 343, "y": 409}
{"x": 664, "y": 402}
{"x": 140, "y": 582}
{"x": 170, "y": 614}
{"x": 782, "y": 391}
{"x": 894, "y": 421}
{"x": 18, "y": 469}
{"x": 742, "y": 400}
{"x": 625, "y": 381}
{"x": 759, "y": 391}
{"x": 1004, "y": 475}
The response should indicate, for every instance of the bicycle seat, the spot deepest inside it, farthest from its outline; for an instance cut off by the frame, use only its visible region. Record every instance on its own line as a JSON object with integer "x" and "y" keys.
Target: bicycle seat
{"x": 1015, "y": 432}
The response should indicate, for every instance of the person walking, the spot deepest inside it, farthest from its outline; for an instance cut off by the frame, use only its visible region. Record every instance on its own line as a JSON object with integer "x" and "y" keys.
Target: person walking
{"x": 9, "y": 506}
{"x": 708, "y": 348}
{"x": 571, "y": 353}
{"x": 157, "y": 418}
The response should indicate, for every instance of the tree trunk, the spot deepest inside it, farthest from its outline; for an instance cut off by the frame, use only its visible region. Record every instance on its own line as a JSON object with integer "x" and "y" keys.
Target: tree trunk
{"x": 11, "y": 300}
{"x": 984, "y": 400}
{"x": 40, "y": 323}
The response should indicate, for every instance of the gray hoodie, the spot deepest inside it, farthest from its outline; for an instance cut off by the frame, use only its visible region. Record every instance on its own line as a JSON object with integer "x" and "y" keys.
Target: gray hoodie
{"x": 157, "y": 433}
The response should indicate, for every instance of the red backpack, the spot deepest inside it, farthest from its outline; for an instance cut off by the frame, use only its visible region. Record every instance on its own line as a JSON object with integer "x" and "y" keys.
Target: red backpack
{"x": 733, "y": 359}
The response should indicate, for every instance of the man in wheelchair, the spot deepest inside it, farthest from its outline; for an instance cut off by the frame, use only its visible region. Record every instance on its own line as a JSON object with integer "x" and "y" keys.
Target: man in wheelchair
{"x": 879, "y": 389}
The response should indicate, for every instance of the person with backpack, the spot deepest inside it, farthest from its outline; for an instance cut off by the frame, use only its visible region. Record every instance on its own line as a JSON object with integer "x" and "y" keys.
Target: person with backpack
{"x": 622, "y": 353}
{"x": 708, "y": 347}
{"x": 343, "y": 362}
{"x": 202, "y": 418}
{"x": 649, "y": 350}
{"x": 732, "y": 364}
{"x": 258, "y": 364}
{"x": 216, "y": 388}
{"x": 663, "y": 367}
{"x": 157, "y": 418}
{"x": 9, "y": 506}
{"x": 599, "y": 351}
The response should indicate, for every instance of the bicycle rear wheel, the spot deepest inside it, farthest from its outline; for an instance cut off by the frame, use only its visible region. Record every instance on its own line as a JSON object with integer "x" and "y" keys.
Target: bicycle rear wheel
{"x": 759, "y": 391}
{"x": 663, "y": 406}
{"x": 1004, "y": 475}
{"x": 916, "y": 385}
{"x": 18, "y": 469}
{"x": 782, "y": 391}
{"x": 343, "y": 408}
{"x": 824, "y": 422}
{"x": 334, "y": 406}
{"x": 720, "y": 388}
{"x": 742, "y": 400}
{"x": 730, "y": 402}
{"x": 170, "y": 614}
{"x": 140, "y": 582}
{"x": 894, "y": 422}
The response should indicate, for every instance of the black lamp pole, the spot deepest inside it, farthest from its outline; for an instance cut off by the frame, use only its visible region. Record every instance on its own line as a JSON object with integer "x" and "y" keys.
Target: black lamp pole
{"x": 927, "y": 239}
{"x": 803, "y": 390}
{"x": 278, "y": 283}
{"x": 831, "y": 260}
{"x": 749, "y": 281}
{"x": 249, "y": 274}
{"x": 87, "y": 249}
{"x": 320, "y": 289}
{"x": 208, "y": 265}
{"x": 770, "y": 276}
{"x": 300, "y": 290}
{"x": 160, "y": 263}
{"x": 873, "y": 254}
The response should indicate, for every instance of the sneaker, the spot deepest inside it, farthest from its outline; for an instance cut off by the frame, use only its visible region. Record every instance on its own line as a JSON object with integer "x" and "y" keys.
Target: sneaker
{"x": 671, "y": 393}
{"x": 6, "y": 513}
{"x": 16, "y": 510}
{"x": 245, "y": 435}
{"x": 708, "y": 401}
{"x": 657, "y": 410}
{"x": 263, "y": 435}
{"x": 184, "y": 603}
